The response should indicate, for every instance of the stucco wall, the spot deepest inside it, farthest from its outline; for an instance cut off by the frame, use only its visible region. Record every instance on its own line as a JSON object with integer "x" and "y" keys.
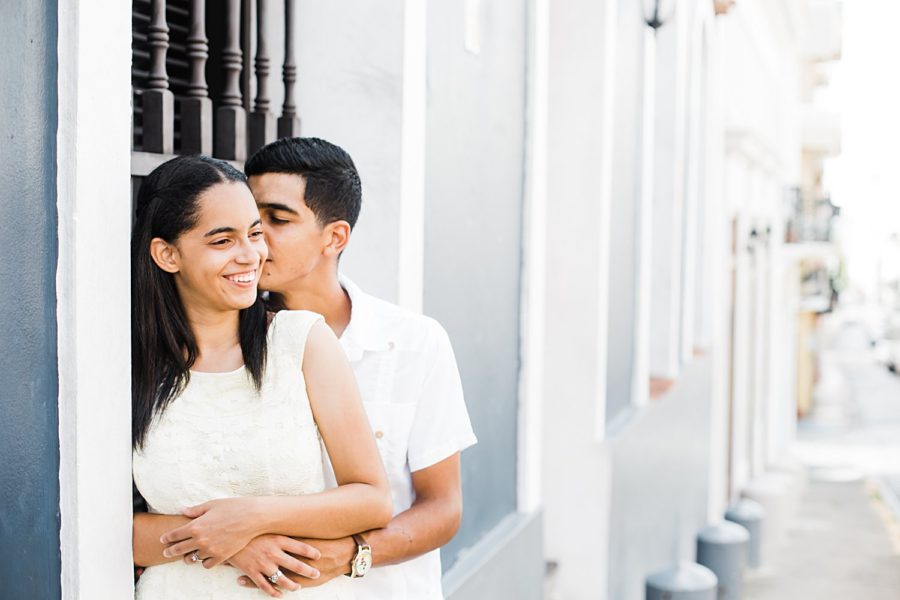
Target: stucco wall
{"x": 473, "y": 224}
{"x": 660, "y": 474}
{"x": 350, "y": 92}
{"x": 29, "y": 488}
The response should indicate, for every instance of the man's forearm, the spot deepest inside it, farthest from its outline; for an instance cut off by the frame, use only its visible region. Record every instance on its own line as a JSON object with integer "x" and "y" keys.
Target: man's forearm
{"x": 426, "y": 525}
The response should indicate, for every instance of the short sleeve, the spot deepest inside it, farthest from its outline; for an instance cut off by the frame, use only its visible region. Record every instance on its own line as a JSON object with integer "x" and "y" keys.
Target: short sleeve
{"x": 290, "y": 328}
{"x": 441, "y": 425}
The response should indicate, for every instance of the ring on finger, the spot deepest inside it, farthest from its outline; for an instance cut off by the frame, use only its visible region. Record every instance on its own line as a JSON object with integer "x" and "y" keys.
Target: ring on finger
{"x": 274, "y": 577}
{"x": 195, "y": 557}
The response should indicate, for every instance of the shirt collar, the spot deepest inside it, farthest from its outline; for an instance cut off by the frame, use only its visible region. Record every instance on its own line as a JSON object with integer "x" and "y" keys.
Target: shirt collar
{"x": 365, "y": 332}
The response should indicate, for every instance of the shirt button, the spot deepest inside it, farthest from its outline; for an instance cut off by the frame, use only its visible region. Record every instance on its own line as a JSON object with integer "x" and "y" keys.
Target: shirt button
{"x": 390, "y": 345}
{"x": 379, "y": 434}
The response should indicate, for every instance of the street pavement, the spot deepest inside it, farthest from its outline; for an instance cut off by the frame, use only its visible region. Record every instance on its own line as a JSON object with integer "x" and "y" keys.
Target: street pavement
{"x": 843, "y": 540}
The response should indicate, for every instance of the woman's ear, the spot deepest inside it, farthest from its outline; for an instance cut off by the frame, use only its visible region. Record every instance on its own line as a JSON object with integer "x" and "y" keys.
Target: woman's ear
{"x": 165, "y": 255}
{"x": 337, "y": 236}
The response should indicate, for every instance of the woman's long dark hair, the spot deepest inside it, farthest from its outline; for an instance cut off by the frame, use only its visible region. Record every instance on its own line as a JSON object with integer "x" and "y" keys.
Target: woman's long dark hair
{"x": 163, "y": 347}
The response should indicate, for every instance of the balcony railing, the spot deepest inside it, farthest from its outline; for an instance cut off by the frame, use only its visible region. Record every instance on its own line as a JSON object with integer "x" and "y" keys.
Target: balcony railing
{"x": 811, "y": 218}
{"x": 191, "y": 92}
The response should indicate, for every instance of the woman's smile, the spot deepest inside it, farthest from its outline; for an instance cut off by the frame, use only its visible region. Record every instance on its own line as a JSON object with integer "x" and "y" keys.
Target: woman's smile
{"x": 245, "y": 279}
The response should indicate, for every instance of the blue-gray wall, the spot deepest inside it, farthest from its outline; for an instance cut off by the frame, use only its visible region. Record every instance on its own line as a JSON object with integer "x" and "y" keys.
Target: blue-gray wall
{"x": 473, "y": 237}
{"x": 660, "y": 480}
{"x": 29, "y": 447}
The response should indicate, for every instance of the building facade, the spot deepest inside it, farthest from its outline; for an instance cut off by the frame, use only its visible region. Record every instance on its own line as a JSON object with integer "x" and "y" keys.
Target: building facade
{"x": 590, "y": 195}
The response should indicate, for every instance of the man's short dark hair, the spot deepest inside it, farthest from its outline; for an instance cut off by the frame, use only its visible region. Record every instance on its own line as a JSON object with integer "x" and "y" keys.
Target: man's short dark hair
{"x": 333, "y": 189}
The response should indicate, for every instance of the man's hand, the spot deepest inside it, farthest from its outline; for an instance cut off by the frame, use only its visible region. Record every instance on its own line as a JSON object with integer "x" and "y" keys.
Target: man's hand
{"x": 333, "y": 561}
{"x": 219, "y": 529}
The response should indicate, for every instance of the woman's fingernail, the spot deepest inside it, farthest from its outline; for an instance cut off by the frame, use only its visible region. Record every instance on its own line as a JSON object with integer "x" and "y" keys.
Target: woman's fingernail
{"x": 241, "y": 582}
{"x": 315, "y": 574}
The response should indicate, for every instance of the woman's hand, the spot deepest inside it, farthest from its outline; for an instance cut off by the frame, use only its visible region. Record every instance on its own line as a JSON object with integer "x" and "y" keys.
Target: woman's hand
{"x": 333, "y": 560}
{"x": 219, "y": 529}
{"x": 265, "y": 555}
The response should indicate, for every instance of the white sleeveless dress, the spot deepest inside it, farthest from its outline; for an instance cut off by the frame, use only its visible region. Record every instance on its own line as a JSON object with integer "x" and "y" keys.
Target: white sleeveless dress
{"x": 220, "y": 438}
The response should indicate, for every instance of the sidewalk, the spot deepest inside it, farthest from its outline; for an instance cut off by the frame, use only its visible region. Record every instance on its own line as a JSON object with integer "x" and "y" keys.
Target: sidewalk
{"x": 837, "y": 547}
{"x": 842, "y": 541}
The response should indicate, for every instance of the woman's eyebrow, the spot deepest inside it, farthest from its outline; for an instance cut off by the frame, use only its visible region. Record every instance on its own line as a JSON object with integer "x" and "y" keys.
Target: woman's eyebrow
{"x": 219, "y": 230}
{"x": 277, "y": 206}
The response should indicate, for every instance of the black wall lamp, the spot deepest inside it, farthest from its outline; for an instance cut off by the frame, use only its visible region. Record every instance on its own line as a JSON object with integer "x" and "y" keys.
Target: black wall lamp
{"x": 658, "y": 12}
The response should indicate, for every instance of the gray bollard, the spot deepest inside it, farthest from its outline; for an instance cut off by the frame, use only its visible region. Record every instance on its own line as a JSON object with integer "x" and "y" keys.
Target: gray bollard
{"x": 688, "y": 581}
{"x": 723, "y": 548}
{"x": 750, "y": 515}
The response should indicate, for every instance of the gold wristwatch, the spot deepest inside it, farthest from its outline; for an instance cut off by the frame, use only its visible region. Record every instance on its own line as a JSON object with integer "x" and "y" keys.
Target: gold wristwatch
{"x": 362, "y": 562}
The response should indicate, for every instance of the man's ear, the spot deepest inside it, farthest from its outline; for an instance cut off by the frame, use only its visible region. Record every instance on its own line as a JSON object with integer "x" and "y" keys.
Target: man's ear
{"x": 165, "y": 255}
{"x": 337, "y": 235}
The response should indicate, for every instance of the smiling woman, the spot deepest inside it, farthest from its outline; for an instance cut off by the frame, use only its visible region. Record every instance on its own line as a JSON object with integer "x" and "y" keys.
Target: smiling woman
{"x": 184, "y": 245}
{"x": 229, "y": 409}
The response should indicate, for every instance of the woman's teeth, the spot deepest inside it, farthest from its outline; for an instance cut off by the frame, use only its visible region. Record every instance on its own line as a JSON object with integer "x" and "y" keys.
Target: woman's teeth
{"x": 242, "y": 278}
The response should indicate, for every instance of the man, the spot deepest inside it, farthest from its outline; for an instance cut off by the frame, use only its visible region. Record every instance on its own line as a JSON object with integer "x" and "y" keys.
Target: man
{"x": 309, "y": 194}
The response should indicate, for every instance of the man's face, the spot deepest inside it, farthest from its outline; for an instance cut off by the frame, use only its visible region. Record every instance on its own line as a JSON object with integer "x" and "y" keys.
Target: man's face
{"x": 295, "y": 238}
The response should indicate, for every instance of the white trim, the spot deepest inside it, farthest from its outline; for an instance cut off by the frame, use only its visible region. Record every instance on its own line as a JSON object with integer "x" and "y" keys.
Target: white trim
{"x": 411, "y": 254}
{"x": 93, "y": 298}
{"x": 669, "y": 115}
{"x": 692, "y": 209}
{"x": 714, "y": 312}
{"x": 534, "y": 263}
{"x": 604, "y": 253}
{"x": 643, "y": 247}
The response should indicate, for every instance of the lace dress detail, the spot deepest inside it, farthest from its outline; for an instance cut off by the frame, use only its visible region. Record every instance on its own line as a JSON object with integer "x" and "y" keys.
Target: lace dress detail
{"x": 220, "y": 438}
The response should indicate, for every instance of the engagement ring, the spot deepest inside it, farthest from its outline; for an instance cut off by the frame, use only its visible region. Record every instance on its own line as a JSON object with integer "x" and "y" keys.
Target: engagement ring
{"x": 274, "y": 577}
{"x": 195, "y": 557}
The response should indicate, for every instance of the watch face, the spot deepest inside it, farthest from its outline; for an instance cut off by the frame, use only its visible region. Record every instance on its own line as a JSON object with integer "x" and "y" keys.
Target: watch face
{"x": 363, "y": 562}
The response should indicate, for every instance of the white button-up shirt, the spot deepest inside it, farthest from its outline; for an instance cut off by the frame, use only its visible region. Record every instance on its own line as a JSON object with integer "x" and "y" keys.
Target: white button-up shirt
{"x": 410, "y": 387}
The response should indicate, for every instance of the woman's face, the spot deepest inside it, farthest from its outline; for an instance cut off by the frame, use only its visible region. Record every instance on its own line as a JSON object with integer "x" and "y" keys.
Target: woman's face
{"x": 218, "y": 262}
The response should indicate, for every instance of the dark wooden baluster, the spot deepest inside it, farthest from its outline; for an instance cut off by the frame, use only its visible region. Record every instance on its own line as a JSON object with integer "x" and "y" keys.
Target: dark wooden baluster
{"x": 262, "y": 121}
{"x": 196, "y": 107}
{"x": 231, "y": 118}
{"x": 289, "y": 122}
{"x": 158, "y": 101}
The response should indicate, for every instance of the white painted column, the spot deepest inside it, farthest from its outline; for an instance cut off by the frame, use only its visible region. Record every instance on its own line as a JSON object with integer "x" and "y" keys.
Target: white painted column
{"x": 631, "y": 178}
{"x": 694, "y": 199}
{"x": 411, "y": 259}
{"x": 534, "y": 280}
{"x": 713, "y": 302}
{"x": 645, "y": 333}
{"x": 736, "y": 181}
{"x": 757, "y": 360}
{"x": 779, "y": 355}
{"x": 578, "y": 162}
{"x": 93, "y": 299}
{"x": 668, "y": 146}
{"x": 761, "y": 398}
{"x": 782, "y": 333}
